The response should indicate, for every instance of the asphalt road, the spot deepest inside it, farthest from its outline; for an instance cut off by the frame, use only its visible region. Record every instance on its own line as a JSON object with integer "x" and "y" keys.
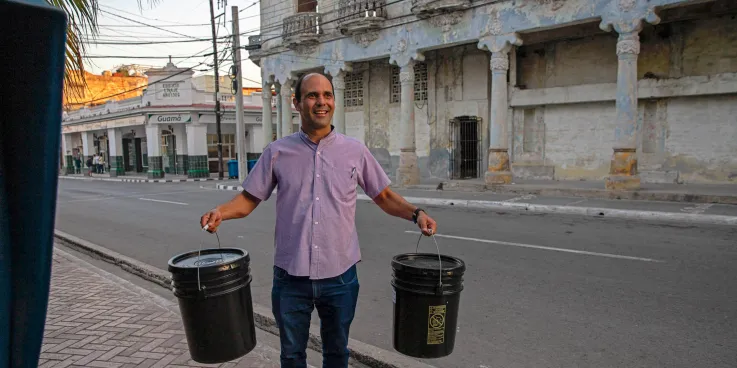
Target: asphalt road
{"x": 540, "y": 290}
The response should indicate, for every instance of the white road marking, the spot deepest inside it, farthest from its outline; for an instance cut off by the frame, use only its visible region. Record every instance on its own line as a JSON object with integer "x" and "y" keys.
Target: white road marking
{"x": 158, "y": 200}
{"x": 545, "y": 248}
{"x": 87, "y": 199}
{"x": 577, "y": 202}
{"x": 697, "y": 209}
{"x": 520, "y": 198}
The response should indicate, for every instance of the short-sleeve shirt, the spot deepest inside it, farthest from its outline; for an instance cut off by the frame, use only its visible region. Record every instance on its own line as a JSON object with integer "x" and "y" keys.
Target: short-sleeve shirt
{"x": 316, "y": 184}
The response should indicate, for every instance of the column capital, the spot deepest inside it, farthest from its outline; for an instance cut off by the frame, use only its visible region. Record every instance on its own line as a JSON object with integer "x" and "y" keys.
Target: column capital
{"x": 338, "y": 68}
{"x": 628, "y": 44}
{"x": 339, "y": 81}
{"x": 499, "y": 62}
{"x": 499, "y": 43}
{"x": 626, "y": 16}
{"x": 407, "y": 73}
{"x": 406, "y": 58}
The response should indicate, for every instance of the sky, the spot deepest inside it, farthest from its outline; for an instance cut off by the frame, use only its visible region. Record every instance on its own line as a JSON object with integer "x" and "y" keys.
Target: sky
{"x": 178, "y": 20}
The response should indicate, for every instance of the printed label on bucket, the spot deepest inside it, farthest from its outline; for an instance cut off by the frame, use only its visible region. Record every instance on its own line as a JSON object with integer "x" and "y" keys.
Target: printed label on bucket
{"x": 436, "y": 325}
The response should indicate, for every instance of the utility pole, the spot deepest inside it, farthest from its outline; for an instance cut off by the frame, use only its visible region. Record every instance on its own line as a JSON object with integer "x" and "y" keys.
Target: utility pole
{"x": 240, "y": 128}
{"x": 217, "y": 92}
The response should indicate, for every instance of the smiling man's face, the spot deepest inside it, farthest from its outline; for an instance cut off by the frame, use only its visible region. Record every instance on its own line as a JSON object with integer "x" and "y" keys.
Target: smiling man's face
{"x": 318, "y": 104}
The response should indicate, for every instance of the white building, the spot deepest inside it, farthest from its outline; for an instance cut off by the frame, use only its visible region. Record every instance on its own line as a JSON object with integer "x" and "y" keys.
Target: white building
{"x": 169, "y": 129}
{"x": 626, "y": 91}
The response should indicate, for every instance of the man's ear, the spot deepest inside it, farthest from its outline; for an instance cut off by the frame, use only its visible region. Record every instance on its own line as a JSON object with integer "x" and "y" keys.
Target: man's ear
{"x": 296, "y": 104}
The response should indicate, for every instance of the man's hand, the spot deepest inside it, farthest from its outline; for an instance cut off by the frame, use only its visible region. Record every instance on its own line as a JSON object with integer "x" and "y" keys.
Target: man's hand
{"x": 212, "y": 219}
{"x": 426, "y": 224}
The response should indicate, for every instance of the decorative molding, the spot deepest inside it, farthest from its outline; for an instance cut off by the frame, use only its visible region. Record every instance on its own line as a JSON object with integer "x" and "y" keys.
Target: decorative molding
{"x": 305, "y": 49}
{"x": 494, "y": 26}
{"x": 501, "y": 43}
{"x": 365, "y": 39}
{"x": 446, "y": 21}
{"x": 338, "y": 81}
{"x": 629, "y": 46}
{"x": 626, "y": 5}
{"x": 407, "y": 76}
{"x": 499, "y": 61}
{"x": 401, "y": 46}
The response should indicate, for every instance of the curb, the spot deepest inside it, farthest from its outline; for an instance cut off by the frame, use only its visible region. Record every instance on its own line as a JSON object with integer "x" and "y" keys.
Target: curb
{"x": 636, "y": 195}
{"x": 556, "y": 209}
{"x": 362, "y": 353}
{"x": 121, "y": 180}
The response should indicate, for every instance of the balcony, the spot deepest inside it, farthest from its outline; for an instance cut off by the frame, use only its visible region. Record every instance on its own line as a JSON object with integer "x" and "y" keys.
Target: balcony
{"x": 254, "y": 43}
{"x": 358, "y": 16}
{"x": 302, "y": 29}
{"x": 429, "y": 8}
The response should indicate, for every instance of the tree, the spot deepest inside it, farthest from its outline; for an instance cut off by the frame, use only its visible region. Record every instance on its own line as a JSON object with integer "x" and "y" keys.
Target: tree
{"x": 82, "y": 23}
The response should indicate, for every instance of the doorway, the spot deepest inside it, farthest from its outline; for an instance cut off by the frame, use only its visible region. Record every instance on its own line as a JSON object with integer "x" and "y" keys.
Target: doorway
{"x": 465, "y": 147}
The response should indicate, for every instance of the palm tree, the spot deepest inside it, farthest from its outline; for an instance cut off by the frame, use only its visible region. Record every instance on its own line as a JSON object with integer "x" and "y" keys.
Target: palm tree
{"x": 82, "y": 23}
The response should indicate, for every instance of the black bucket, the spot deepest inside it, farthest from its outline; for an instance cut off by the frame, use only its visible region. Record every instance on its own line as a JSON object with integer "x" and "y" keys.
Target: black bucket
{"x": 213, "y": 287}
{"x": 426, "y": 304}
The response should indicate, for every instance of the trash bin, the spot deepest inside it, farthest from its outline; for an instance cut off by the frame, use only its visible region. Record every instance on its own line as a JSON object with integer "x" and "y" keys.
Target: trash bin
{"x": 426, "y": 303}
{"x": 213, "y": 287}
{"x": 233, "y": 169}
{"x": 251, "y": 164}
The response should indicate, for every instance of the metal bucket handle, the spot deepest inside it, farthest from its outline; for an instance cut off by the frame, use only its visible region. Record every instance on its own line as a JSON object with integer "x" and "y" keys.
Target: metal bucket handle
{"x": 440, "y": 261}
{"x": 199, "y": 253}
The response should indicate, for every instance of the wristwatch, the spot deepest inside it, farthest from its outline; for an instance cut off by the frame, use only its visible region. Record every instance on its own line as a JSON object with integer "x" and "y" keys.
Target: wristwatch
{"x": 416, "y": 214}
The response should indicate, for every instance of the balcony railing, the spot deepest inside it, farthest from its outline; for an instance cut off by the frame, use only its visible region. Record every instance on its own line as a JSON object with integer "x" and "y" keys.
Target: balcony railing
{"x": 356, "y": 16}
{"x": 302, "y": 28}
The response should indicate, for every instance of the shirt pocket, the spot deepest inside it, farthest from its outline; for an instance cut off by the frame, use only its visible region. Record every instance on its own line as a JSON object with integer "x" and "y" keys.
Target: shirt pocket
{"x": 343, "y": 181}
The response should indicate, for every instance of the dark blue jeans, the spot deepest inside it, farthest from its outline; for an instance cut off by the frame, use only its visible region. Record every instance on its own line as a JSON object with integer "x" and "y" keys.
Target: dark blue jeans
{"x": 293, "y": 299}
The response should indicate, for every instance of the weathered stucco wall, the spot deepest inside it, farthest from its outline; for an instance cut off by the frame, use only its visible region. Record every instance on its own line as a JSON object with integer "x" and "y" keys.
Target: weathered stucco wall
{"x": 686, "y": 139}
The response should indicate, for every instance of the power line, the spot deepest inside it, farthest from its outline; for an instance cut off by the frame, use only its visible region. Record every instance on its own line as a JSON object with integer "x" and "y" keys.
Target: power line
{"x": 136, "y": 57}
{"x": 147, "y": 25}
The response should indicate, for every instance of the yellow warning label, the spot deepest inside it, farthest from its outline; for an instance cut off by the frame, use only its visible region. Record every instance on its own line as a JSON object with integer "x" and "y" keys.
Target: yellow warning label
{"x": 436, "y": 325}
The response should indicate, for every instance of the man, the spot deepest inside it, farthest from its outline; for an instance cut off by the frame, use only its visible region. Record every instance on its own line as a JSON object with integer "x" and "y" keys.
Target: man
{"x": 316, "y": 171}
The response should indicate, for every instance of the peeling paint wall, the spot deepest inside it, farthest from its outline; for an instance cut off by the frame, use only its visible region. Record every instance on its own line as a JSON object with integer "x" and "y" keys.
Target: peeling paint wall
{"x": 686, "y": 138}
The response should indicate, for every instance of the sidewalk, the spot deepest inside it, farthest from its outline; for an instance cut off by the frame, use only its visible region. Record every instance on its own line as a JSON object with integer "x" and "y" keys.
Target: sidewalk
{"x": 698, "y": 193}
{"x": 96, "y": 319}
{"x": 142, "y": 178}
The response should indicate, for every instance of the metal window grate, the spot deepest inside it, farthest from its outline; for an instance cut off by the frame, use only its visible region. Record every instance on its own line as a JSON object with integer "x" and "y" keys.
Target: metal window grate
{"x": 420, "y": 83}
{"x": 354, "y": 89}
{"x": 396, "y": 86}
{"x": 465, "y": 147}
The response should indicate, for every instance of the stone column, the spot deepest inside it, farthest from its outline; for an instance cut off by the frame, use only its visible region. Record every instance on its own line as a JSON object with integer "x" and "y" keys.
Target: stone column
{"x": 408, "y": 172}
{"x": 286, "y": 113}
{"x": 182, "y": 161}
{"x": 498, "y": 171}
{"x": 117, "y": 166}
{"x": 88, "y": 148}
{"x": 66, "y": 142}
{"x": 338, "y": 75}
{"x": 153, "y": 145}
{"x": 623, "y": 173}
{"x": 279, "y": 128}
{"x": 266, "y": 114}
{"x": 197, "y": 166}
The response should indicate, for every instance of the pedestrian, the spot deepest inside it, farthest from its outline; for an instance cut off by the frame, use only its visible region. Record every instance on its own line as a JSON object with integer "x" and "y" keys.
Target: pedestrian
{"x": 89, "y": 166}
{"x": 101, "y": 163}
{"x": 316, "y": 244}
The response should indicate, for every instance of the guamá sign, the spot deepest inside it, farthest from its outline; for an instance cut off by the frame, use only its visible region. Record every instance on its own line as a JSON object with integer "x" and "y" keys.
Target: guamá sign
{"x": 169, "y": 118}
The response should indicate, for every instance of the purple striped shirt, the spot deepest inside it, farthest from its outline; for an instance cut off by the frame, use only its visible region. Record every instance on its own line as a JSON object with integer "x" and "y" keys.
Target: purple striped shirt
{"x": 315, "y": 231}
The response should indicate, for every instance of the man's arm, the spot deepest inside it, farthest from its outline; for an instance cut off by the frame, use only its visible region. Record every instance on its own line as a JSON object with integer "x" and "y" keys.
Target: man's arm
{"x": 240, "y": 206}
{"x": 395, "y": 205}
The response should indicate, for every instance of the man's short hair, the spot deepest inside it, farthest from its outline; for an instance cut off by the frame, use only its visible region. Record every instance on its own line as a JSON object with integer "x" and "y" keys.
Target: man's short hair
{"x": 298, "y": 86}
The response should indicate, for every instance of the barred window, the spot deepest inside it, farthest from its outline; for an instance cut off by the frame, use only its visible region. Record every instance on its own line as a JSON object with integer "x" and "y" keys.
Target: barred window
{"x": 396, "y": 86}
{"x": 420, "y": 83}
{"x": 353, "y": 89}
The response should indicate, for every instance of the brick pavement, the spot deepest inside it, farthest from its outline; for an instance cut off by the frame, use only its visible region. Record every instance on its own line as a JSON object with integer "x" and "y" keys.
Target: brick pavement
{"x": 96, "y": 319}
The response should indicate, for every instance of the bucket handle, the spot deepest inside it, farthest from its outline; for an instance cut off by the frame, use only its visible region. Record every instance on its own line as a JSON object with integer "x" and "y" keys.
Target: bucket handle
{"x": 199, "y": 253}
{"x": 440, "y": 261}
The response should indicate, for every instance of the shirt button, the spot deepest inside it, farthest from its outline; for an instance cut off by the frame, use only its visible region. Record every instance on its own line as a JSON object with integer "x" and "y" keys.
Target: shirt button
{"x": 318, "y": 198}
{"x": 315, "y": 222}
{"x": 318, "y": 175}
{"x": 318, "y": 153}
{"x": 316, "y": 247}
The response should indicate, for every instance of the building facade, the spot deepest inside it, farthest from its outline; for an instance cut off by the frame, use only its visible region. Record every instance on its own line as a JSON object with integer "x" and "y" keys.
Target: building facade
{"x": 169, "y": 129}
{"x": 623, "y": 91}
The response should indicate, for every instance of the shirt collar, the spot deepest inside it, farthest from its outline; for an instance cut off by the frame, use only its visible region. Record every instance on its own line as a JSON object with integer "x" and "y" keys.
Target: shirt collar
{"x": 326, "y": 140}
